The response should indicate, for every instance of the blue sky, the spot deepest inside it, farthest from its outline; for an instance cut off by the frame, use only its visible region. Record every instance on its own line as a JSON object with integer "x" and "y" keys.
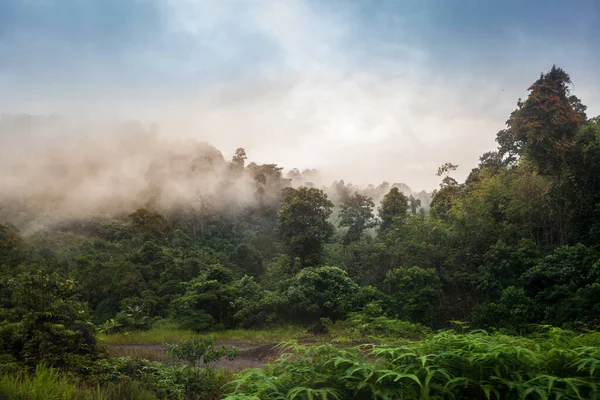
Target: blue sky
{"x": 404, "y": 85}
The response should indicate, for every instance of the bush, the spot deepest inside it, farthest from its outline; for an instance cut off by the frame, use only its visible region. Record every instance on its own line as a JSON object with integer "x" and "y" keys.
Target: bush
{"x": 207, "y": 302}
{"x": 254, "y": 307}
{"x": 325, "y": 292}
{"x": 163, "y": 382}
{"x": 54, "y": 327}
{"x": 132, "y": 316}
{"x": 414, "y": 293}
{"x": 515, "y": 311}
{"x": 199, "y": 350}
{"x": 383, "y": 327}
{"x": 185, "y": 382}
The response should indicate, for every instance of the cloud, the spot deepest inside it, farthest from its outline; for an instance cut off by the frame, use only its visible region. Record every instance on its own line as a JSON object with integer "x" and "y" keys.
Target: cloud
{"x": 363, "y": 93}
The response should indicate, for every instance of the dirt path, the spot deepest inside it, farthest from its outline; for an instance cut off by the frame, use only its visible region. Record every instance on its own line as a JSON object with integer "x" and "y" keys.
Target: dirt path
{"x": 251, "y": 355}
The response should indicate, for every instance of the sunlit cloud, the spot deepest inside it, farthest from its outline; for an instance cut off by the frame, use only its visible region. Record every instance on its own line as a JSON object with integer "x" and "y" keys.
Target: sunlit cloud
{"x": 363, "y": 93}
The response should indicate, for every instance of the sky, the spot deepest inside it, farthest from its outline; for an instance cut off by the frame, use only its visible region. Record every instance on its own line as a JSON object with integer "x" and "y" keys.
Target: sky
{"x": 363, "y": 90}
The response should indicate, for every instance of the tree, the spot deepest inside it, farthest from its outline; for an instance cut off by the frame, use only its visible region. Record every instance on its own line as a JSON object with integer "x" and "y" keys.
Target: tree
{"x": 414, "y": 204}
{"x": 249, "y": 260}
{"x": 150, "y": 223}
{"x": 414, "y": 293}
{"x": 303, "y": 225}
{"x": 12, "y": 248}
{"x": 201, "y": 208}
{"x": 393, "y": 206}
{"x": 449, "y": 189}
{"x": 52, "y": 326}
{"x": 324, "y": 292}
{"x": 357, "y": 214}
{"x": 544, "y": 126}
{"x": 207, "y": 301}
{"x": 238, "y": 160}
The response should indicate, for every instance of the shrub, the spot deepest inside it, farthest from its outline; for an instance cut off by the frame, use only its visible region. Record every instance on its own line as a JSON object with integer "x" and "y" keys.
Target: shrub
{"x": 54, "y": 327}
{"x": 200, "y": 350}
{"x": 325, "y": 292}
{"x": 414, "y": 293}
{"x": 381, "y": 326}
{"x": 447, "y": 365}
{"x": 253, "y": 306}
{"x": 207, "y": 301}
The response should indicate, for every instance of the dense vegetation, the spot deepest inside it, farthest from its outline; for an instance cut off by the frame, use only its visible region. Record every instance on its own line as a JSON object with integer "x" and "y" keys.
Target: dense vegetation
{"x": 512, "y": 248}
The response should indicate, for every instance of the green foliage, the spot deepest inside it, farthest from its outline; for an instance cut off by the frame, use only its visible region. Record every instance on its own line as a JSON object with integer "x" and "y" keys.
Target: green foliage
{"x": 200, "y": 350}
{"x": 356, "y": 213}
{"x": 117, "y": 379}
{"x": 255, "y": 307}
{"x": 414, "y": 293}
{"x": 561, "y": 285}
{"x": 394, "y": 207}
{"x": 109, "y": 326}
{"x": 546, "y": 122}
{"x": 207, "y": 301}
{"x": 132, "y": 316}
{"x": 150, "y": 223}
{"x": 514, "y": 246}
{"x": 372, "y": 323}
{"x": 446, "y": 365}
{"x": 302, "y": 224}
{"x": 248, "y": 260}
{"x": 45, "y": 384}
{"x": 514, "y": 312}
{"x": 322, "y": 292}
{"x": 366, "y": 262}
{"x": 50, "y": 326}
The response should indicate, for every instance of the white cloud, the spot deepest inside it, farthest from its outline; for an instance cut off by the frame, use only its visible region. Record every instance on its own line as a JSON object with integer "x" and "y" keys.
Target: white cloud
{"x": 320, "y": 95}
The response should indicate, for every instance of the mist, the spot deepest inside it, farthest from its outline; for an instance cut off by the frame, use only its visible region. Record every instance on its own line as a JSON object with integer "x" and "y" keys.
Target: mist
{"x": 363, "y": 97}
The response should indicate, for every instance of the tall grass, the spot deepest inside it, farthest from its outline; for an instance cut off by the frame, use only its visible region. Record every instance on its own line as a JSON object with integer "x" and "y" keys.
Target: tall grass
{"x": 170, "y": 334}
{"x": 554, "y": 365}
{"x": 45, "y": 384}
{"x": 167, "y": 383}
{"x": 50, "y": 384}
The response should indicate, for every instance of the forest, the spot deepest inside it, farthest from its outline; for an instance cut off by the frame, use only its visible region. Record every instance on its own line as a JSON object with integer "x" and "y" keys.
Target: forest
{"x": 482, "y": 289}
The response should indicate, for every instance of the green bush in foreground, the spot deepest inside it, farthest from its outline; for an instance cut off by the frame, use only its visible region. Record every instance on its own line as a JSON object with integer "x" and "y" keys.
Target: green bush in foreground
{"x": 557, "y": 365}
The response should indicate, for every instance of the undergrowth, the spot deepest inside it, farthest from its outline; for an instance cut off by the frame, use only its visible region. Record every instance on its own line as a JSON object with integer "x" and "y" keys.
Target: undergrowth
{"x": 549, "y": 364}
{"x": 555, "y": 364}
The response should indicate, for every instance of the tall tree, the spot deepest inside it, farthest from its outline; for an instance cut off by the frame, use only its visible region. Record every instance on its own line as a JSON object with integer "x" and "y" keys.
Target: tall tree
{"x": 303, "y": 224}
{"x": 393, "y": 206}
{"x": 449, "y": 190}
{"x": 238, "y": 160}
{"x": 414, "y": 204}
{"x": 544, "y": 125}
{"x": 356, "y": 213}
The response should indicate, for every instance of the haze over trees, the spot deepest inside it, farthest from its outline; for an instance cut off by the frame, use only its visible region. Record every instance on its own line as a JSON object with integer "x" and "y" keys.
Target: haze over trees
{"x": 187, "y": 238}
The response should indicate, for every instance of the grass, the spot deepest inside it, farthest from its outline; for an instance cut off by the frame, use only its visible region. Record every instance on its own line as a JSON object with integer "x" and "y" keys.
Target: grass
{"x": 46, "y": 384}
{"x": 138, "y": 353}
{"x": 170, "y": 334}
{"x": 50, "y": 384}
{"x": 361, "y": 329}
